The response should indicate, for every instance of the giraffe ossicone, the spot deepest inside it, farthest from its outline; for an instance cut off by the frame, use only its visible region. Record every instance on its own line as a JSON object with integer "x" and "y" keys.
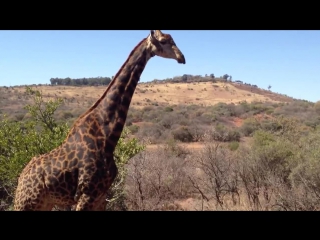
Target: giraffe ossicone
{"x": 81, "y": 170}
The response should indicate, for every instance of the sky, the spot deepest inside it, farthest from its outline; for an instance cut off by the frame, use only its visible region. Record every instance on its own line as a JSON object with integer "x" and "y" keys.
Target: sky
{"x": 288, "y": 61}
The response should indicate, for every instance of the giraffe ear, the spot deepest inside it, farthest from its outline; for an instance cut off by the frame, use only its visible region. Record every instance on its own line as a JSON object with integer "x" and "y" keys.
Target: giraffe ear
{"x": 155, "y": 41}
{"x": 153, "y": 38}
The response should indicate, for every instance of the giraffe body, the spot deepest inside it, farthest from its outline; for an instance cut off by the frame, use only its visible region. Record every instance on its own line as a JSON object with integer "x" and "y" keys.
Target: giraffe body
{"x": 81, "y": 170}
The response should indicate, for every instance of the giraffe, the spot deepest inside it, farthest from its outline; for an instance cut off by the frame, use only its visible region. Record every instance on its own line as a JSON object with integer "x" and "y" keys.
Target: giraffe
{"x": 80, "y": 171}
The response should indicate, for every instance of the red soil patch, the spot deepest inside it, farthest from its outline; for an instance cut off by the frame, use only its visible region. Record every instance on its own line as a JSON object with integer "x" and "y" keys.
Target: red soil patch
{"x": 237, "y": 122}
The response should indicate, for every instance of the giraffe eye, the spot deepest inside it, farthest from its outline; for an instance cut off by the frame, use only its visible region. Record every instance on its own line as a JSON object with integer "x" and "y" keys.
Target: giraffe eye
{"x": 163, "y": 41}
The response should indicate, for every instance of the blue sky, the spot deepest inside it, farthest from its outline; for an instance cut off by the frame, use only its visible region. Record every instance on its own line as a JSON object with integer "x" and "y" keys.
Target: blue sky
{"x": 289, "y": 61}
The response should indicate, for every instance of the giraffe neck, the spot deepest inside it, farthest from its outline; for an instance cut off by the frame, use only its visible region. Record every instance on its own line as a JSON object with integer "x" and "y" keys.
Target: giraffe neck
{"x": 115, "y": 105}
{"x": 108, "y": 115}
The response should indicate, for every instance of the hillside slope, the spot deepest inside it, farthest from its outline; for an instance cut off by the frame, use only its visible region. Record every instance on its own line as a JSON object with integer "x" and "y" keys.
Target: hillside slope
{"x": 79, "y": 98}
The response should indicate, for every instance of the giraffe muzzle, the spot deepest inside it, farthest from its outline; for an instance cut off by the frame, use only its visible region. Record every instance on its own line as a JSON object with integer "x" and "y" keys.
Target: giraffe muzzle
{"x": 181, "y": 59}
{"x": 179, "y": 55}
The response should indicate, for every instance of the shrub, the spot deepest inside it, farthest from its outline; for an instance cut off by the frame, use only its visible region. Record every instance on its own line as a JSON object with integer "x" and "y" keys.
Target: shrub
{"x": 249, "y": 126}
{"x": 133, "y": 128}
{"x": 151, "y": 132}
{"x": 233, "y": 135}
{"x": 125, "y": 150}
{"x": 317, "y": 107}
{"x": 168, "y": 120}
{"x": 19, "y": 117}
{"x": 20, "y": 141}
{"x": 182, "y": 134}
{"x": 67, "y": 115}
{"x": 168, "y": 109}
{"x": 233, "y": 146}
{"x": 155, "y": 180}
{"x": 224, "y": 134}
{"x": 272, "y": 126}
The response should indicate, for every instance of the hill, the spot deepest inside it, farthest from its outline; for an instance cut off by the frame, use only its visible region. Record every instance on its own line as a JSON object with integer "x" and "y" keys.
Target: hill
{"x": 177, "y": 108}
{"x": 197, "y": 91}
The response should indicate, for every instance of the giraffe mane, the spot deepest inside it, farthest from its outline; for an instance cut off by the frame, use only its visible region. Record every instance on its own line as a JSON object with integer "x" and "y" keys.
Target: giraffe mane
{"x": 109, "y": 86}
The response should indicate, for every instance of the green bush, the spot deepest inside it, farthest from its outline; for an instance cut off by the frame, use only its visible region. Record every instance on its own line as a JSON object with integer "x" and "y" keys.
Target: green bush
{"x": 20, "y": 141}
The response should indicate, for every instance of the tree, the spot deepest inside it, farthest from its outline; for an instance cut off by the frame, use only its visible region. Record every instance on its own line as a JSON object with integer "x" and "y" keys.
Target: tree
{"x": 184, "y": 77}
{"x": 225, "y": 76}
{"x": 53, "y": 81}
{"x": 67, "y": 81}
{"x": 269, "y": 87}
{"x": 80, "y": 81}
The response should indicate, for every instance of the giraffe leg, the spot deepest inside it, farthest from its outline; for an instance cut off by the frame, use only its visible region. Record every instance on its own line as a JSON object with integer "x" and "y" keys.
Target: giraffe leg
{"x": 85, "y": 203}
{"x": 89, "y": 196}
{"x": 91, "y": 192}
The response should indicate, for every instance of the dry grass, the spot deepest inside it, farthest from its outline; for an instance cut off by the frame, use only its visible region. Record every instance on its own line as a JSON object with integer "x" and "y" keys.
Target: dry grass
{"x": 202, "y": 93}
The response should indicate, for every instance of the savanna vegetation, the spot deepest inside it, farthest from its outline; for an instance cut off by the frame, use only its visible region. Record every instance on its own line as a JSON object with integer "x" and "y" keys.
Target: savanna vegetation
{"x": 258, "y": 155}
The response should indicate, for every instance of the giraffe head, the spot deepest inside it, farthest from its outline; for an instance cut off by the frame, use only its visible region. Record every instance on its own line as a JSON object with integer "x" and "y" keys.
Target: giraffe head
{"x": 162, "y": 45}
